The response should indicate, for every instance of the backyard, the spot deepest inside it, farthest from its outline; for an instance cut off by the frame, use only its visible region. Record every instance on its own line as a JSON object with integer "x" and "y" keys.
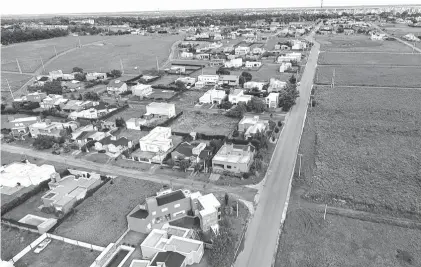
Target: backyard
{"x": 367, "y": 76}
{"x": 59, "y": 253}
{"x": 308, "y": 240}
{"x": 370, "y": 59}
{"x": 101, "y": 219}
{"x": 187, "y": 99}
{"x": 206, "y": 123}
{"x": 13, "y": 240}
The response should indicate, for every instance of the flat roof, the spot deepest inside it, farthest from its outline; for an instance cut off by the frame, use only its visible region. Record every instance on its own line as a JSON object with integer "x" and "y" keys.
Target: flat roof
{"x": 140, "y": 263}
{"x": 170, "y": 197}
{"x": 171, "y": 259}
{"x": 153, "y": 238}
{"x": 140, "y": 214}
{"x": 183, "y": 244}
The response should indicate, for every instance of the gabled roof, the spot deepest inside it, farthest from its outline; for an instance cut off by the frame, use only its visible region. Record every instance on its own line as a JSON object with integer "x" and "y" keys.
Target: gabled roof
{"x": 122, "y": 141}
{"x": 185, "y": 149}
{"x": 170, "y": 258}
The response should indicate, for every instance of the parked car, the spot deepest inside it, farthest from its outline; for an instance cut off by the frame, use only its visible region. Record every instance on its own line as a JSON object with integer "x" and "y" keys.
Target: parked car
{"x": 101, "y": 151}
{"x": 42, "y": 245}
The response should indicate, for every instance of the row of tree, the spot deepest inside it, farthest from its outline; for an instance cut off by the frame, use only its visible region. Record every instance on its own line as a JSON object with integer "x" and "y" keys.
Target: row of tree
{"x": 19, "y": 36}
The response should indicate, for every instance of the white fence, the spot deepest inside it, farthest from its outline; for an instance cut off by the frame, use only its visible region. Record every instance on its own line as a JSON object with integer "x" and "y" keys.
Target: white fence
{"x": 28, "y": 248}
{"x": 76, "y": 243}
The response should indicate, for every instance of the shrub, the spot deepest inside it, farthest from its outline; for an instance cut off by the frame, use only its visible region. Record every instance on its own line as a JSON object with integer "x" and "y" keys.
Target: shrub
{"x": 246, "y": 175}
{"x": 279, "y": 123}
{"x": 276, "y": 130}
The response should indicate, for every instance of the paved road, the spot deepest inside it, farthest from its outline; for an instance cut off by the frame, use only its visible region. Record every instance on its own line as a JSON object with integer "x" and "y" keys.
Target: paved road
{"x": 240, "y": 191}
{"x": 263, "y": 231}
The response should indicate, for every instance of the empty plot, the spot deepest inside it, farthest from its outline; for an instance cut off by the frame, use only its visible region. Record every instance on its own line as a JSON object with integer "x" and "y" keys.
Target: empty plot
{"x": 369, "y": 76}
{"x": 13, "y": 240}
{"x": 308, "y": 240}
{"x": 370, "y": 59}
{"x": 367, "y": 148}
{"x": 15, "y": 81}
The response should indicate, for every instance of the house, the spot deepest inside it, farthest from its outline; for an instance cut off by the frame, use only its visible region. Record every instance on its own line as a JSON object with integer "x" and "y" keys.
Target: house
{"x": 285, "y": 66}
{"x": 94, "y": 112}
{"x": 56, "y": 74}
{"x": 50, "y": 128}
{"x": 276, "y": 85}
{"x": 294, "y": 56}
{"x": 76, "y": 133}
{"x": 169, "y": 205}
{"x": 135, "y": 123}
{"x": 183, "y": 151}
{"x": 228, "y": 49}
{"x": 213, "y": 96}
{"x": 64, "y": 192}
{"x": 160, "y": 110}
{"x": 378, "y": 36}
{"x": 298, "y": 45}
{"x": 230, "y": 80}
{"x": 208, "y": 79}
{"x": 253, "y": 64}
{"x": 349, "y": 31}
{"x": 90, "y": 135}
{"x": 234, "y": 63}
{"x": 203, "y": 56}
{"x": 186, "y": 54}
{"x": 272, "y": 100}
{"x": 36, "y": 97}
{"x": 258, "y": 51}
{"x": 217, "y": 62}
{"x": 92, "y": 76}
{"x": 175, "y": 240}
{"x": 141, "y": 90}
{"x": 42, "y": 79}
{"x": 233, "y": 158}
{"x": 116, "y": 87}
{"x": 20, "y": 125}
{"x": 113, "y": 145}
{"x": 24, "y": 174}
{"x": 177, "y": 69}
{"x": 252, "y": 125}
{"x": 77, "y": 105}
{"x": 53, "y": 101}
{"x": 157, "y": 144}
{"x": 188, "y": 81}
{"x": 242, "y": 50}
{"x": 68, "y": 76}
{"x": 251, "y": 85}
{"x": 411, "y": 37}
{"x": 238, "y": 96}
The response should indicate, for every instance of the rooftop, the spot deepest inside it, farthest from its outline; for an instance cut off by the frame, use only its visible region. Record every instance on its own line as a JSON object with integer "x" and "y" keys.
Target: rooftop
{"x": 25, "y": 173}
{"x": 170, "y": 258}
{"x": 140, "y": 214}
{"x": 170, "y": 197}
{"x": 160, "y": 105}
{"x": 183, "y": 244}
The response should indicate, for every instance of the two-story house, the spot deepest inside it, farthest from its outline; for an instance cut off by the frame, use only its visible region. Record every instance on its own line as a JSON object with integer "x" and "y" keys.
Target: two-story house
{"x": 213, "y": 96}
{"x": 238, "y": 96}
{"x": 233, "y": 158}
{"x": 229, "y": 80}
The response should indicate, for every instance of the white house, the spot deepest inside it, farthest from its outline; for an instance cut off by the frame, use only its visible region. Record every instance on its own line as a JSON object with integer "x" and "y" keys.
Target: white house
{"x": 253, "y": 64}
{"x": 251, "y": 85}
{"x": 298, "y": 45}
{"x": 116, "y": 87}
{"x": 160, "y": 109}
{"x": 50, "y": 128}
{"x": 294, "y": 56}
{"x": 272, "y": 100}
{"x": 258, "y": 51}
{"x": 411, "y": 37}
{"x": 90, "y": 76}
{"x": 25, "y": 174}
{"x": 158, "y": 141}
{"x": 208, "y": 79}
{"x": 186, "y": 55}
{"x": 378, "y": 36}
{"x": 285, "y": 66}
{"x": 276, "y": 85}
{"x": 234, "y": 63}
{"x": 213, "y": 96}
{"x": 141, "y": 90}
{"x": 252, "y": 125}
{"x": 55, "y": 74}
{"x": 189, "y": 81}
{"x": 238, "y": 96}
{"x": 242, "y": 50}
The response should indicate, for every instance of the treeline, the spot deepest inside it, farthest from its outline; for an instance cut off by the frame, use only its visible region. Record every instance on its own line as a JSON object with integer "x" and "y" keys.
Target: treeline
{"x": 19, "y": 36}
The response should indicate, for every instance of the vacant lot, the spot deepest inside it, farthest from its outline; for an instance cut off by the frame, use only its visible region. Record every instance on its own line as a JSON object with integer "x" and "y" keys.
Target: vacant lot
{"x": 13, "y": 240}
{"x": 187, "y": 99}
{"x": 366, "y": 149}
{"x": 359, "y": 43}
{"x": 128, "y": 114}
{"x": 308, "y": 240}
{"x": 101, "y": 219}
{"x": 400, "y": 30}
{"x": 206, "y": 123}
{"x": 367, "y": 76}
{"x": 370, "y": 59}
{"x": 59, "y": 253}
{"x": 15, "y": 81}
{"x": 137, "y": 53}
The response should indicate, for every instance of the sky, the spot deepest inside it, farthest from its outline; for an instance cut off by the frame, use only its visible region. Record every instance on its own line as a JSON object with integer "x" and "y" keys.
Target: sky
{"x": 17, "y": 7}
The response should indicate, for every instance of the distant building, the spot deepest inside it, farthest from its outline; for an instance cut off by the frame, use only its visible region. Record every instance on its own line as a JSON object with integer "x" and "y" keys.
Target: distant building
{"x": 116, "y": 87}
{"x": 242, "y": 50}
{"x": 253, "y": 64}
{"x": 252, "y": 125}
{"x": 160, "y": 109}
{"x": 156, "y": 145}
{"x": 285, "y": 66}
{"x": 20, "y": 125}
{"x": 91, "y": 76}
{"x": 276, "y": 85}
{"x": 36, "y": 96}
{"x": 289, "y": 57}
{"x": 49, "y": 128}
{"x": 233, "y": 158}
{"x": 213, "y": 96}
{"x": 234, "y": 63}
{"x": 238, "y": 96}
{"x": 56, "y": 74}
{"x": 141, "y": 90}
{"x": 229, "y": 80}
{"x": 251, "y": 85}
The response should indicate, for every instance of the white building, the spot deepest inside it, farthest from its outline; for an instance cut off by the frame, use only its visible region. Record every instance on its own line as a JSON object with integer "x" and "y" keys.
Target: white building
{"x": 141, "y": 90}
{"x": 234, "y": 63}
{"x": 242, "y": 50}
{"x": 50, "y": 128}
{"x": 272, "y": 100}
{"x": 251, "y": 85}
{"x": 378, "y": 36}
{"x": 189, "y": 81}
{"x": 276, "y": 85}
{"x": 208, "y": 79}
{"x": 238, "y": 96}
{"x": 91, "y": 76}
{"x": 55, "y": 74}
{"x": 411, "y": 37}
{"x": 294, "y": 56}
{"x": 252, "y": 125}
{"x": 253, "y": 64}
{"x": 186, "y": 54}
{"x": 298, "y": 45}
{"x": 160, "y": 109}
{"x": 213, "y": 96}
{"x": 157, "y": 141}
{"x": 285, "y": 66}
{"x": 116, "y": 87}
{"x": 25, "y": 174}
{"x": 258, "y": 50}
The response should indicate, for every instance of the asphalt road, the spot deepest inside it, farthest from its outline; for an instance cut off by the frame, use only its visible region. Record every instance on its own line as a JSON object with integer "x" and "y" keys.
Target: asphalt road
{"x": 241, "y": 192}
{"x": 263, "y": 230}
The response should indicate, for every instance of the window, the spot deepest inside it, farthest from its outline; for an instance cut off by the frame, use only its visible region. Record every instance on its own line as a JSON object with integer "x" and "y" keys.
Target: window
{"x": 176, "y": 205}
{"x": 228, "y": 167}
{"x": 164, "y": 209}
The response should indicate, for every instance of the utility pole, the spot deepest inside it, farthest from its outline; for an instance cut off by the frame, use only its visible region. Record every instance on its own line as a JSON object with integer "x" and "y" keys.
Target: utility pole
{"x": 121, "y": 66}
{"x": 55, "y": 50}
{"x": 10, "y": 89}
{"x": 80, "y": 44}
{"x": 237, "y": 208}
{"x": 324, "y": 216}
{"x": 299, "y": 169}
{"x": 157, "y": 64}
{"x": 333, "y": 79}
{"x": 17, "y": 62}
{"x": 42, "y": 62}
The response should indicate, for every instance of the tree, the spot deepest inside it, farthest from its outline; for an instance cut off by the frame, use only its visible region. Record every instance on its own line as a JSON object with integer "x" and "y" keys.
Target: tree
{"x": 120, "y": 122}
{"x": 340, "y": 29}
{"x": 215, "y": 145}
{"x": 225, "y": 105}
{"x": 222, "y": 71}
{"x": 292, "y": 79}
{"x": 279, "y": 123}
{"x": 223, "y": 246}
{"x": 77, "y": 69}
{"x": 242, "y": 81}
{"x": 226, "y": 199}
{"x": 276, "y": 130}
{"x": 91, "y": 96}
{"x": 235, "y": 133}
{"x": 80, "y": 77}
{"x": 184, "y": 164}
{"x": 247, "y": 76}
{"x": 238, "y": 111}
{"x": 180, "y": 85}
{"x": 115, "y": 73}
{"x": 288, "y": 96}
{"x": 256, "y": 104}
{"x": 43, "y": 142}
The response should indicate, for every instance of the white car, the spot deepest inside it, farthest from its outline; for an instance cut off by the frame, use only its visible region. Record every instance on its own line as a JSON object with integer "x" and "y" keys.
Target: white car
{"x": 42, "y": 245}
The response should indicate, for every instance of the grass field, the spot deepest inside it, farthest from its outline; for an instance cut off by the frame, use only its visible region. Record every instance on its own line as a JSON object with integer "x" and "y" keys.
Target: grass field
{"x": 308, "y": 240}
{"x": 359, "y": 43}
{"x": 134, "y": 51}
{"x": 59, "y": 253}
{"x": 101, "y": 219}
{"x": 370, "y": 59}
{"x": 206, "y": 123}
{"x": 128, "y": 114}
{"x": 13, "y": 240}
{"x": 366, "y": 146}
{"x": 29, "y": 53}
{"x": 15, "y": 81}
{"x": 367, "y": 76}
{"x": 399, "y": 30}
{"x": 187, "y": 99}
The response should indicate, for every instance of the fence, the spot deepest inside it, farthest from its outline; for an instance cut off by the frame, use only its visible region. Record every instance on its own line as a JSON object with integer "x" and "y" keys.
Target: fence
{"x": 75, "y": 242}
{"x": 28, "y": 248}
{"x": 16, "y": 224}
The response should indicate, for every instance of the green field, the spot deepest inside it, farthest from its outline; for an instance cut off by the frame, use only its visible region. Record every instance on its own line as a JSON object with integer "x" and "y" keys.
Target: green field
{"x": 369, "y": 76}
{"x": 370, "y": 59}
{"x": 359, "y": 43}
{"x": 13, "y": 240}
{"x": 15, "y": 81}
{"x": 308, "y": 240}
{"x": 134, "y": 51}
